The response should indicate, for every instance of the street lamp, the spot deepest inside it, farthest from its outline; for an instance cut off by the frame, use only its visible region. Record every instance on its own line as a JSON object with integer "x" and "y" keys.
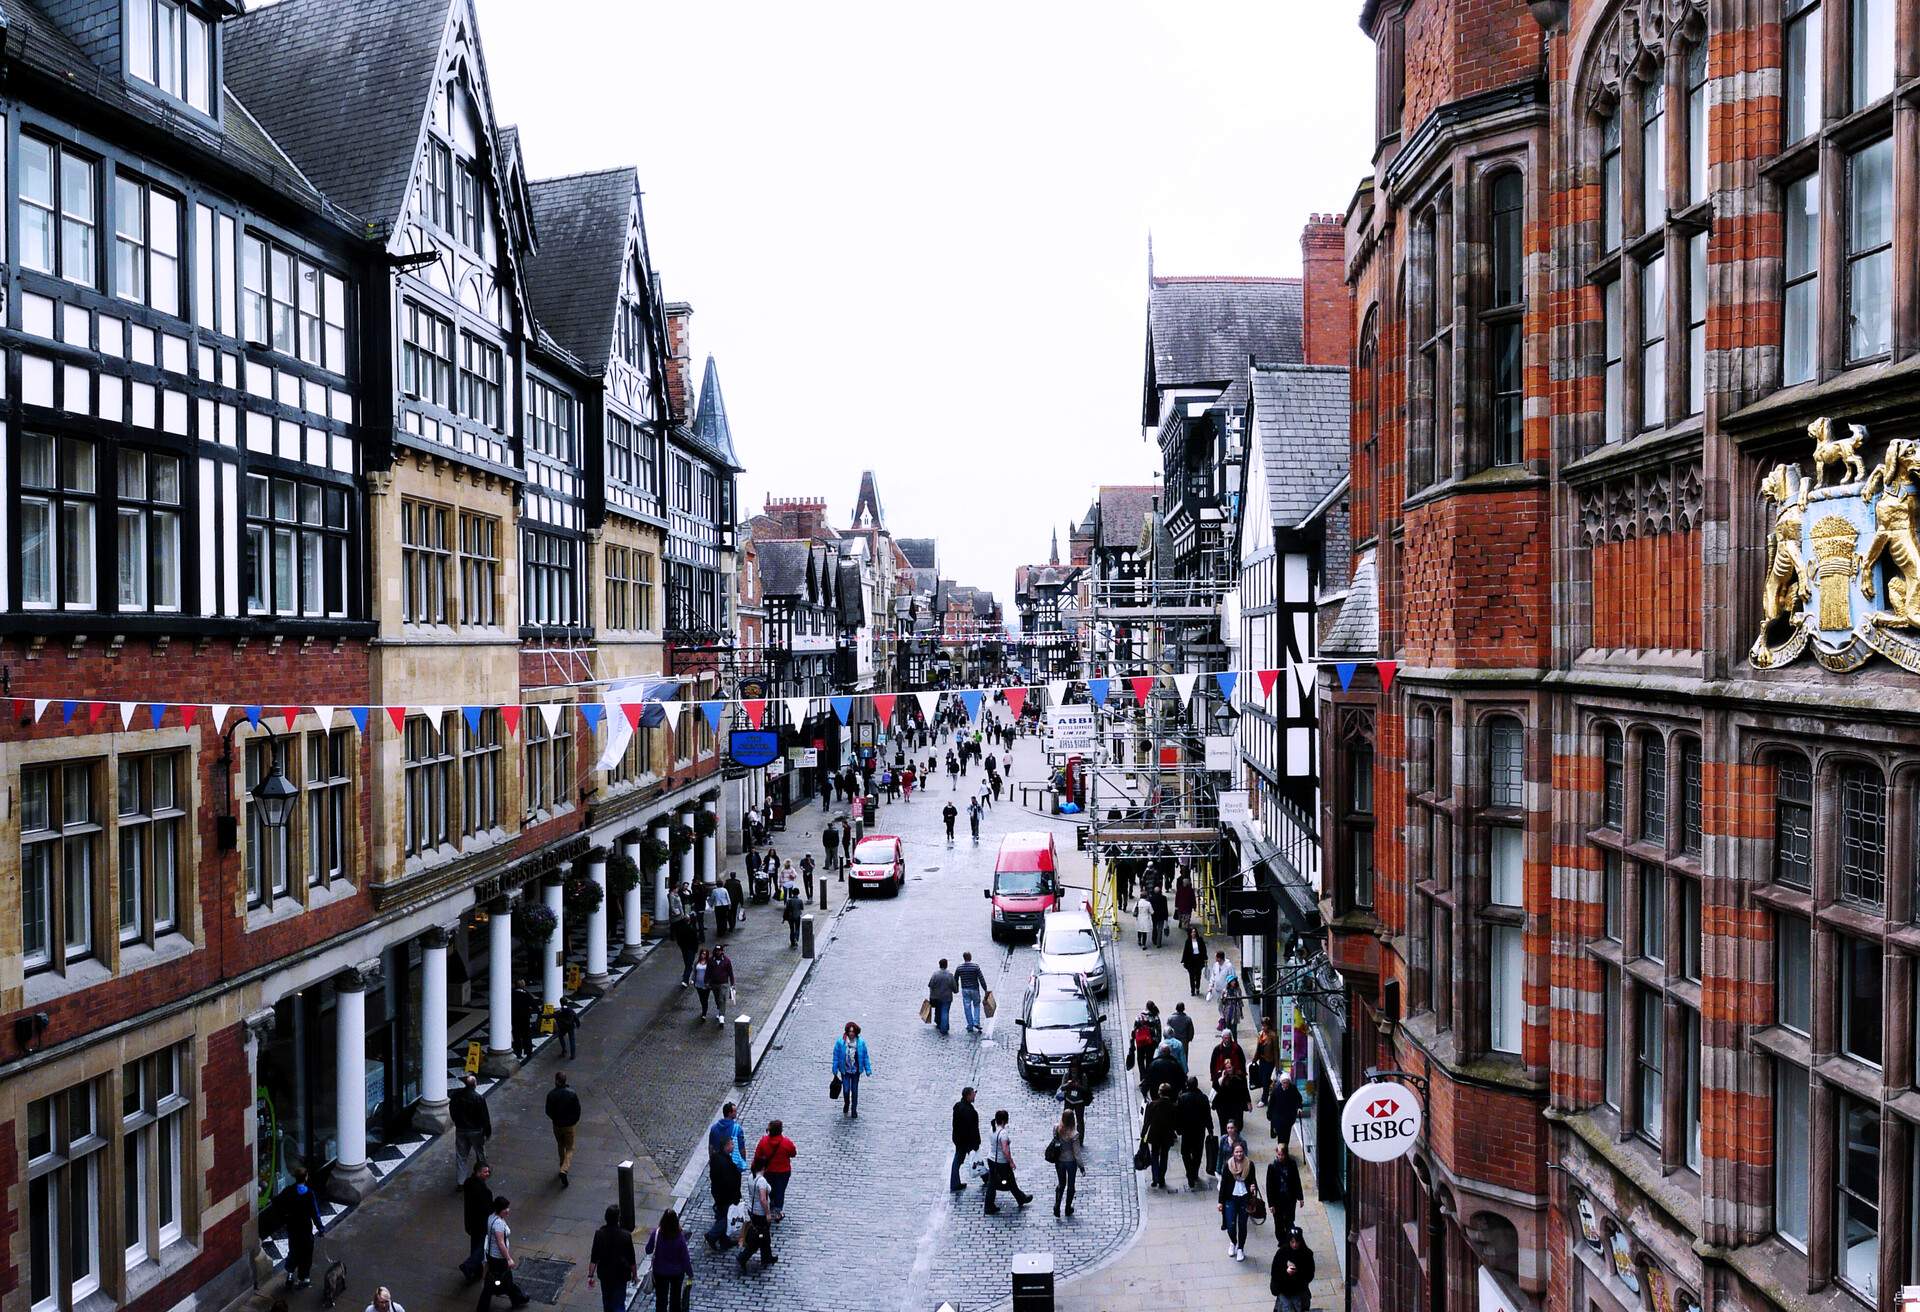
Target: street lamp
{"x": 275, "y": 796}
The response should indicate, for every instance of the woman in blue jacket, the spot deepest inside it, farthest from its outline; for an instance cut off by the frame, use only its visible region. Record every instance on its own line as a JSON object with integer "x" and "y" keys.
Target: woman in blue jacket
{"x": 850, "y": 1063}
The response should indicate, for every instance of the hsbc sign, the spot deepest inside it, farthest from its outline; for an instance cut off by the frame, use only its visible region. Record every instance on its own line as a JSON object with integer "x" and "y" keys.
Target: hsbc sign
{"x": 1381, "y": 1121}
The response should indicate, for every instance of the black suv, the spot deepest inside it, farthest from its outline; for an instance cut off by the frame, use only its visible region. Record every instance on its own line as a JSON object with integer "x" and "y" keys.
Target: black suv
{"x": 1059, "y": 1026}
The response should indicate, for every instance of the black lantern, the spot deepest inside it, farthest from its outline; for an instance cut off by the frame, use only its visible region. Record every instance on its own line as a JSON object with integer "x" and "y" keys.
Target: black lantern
{"x": 275, "y": 796}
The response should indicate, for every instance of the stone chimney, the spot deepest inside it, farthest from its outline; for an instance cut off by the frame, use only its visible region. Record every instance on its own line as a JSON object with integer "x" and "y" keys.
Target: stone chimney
{"x": 799, "y": 517}
{"x": 680, "y": 393}
{"x": 1326, "y": 317}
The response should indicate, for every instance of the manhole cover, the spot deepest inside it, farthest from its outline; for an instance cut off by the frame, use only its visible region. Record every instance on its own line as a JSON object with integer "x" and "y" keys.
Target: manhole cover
{"x": 542, "y": 1277}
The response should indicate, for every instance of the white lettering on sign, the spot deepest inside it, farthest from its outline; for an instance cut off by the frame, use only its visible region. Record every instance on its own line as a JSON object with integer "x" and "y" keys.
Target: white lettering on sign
{"x": 1380, "y": 1122}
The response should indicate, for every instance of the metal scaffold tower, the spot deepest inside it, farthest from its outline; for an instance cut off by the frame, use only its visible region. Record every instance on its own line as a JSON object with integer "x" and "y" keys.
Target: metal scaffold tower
{"x": 1152, "y": 807}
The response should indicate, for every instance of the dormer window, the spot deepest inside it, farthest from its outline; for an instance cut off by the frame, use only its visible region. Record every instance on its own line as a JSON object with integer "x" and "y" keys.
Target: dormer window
{"x": 170, "y": 48}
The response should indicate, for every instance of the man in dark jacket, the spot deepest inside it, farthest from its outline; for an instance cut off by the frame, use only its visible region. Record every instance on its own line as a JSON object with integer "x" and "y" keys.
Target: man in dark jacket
{"x": 472, "y": 1127}
{"x": 1196, "y": 1128}
{"x": 477, "y": 1203}
{"x": 1284, "y": 1194}
{"x": 724, "y": 1179}
{"x": 1227, "y": 1052}
{"x": 563, "y": 1109}
{"x": 1283, "y": 1109}
{"x": 523, "y": 1009}
{"x": 566, "y": 1028}
{"x": 1180, "y": 1025}
{"x": 1160, "y": 1127}
{"x": 830, "y": 841}
{"x": 299, "y": 1210}
{"x": 612, "y": 1261}
{"x": 1165, "y": 1069}
{"x": 1292, "y": 1282}
{"x": 966, "y": 1137}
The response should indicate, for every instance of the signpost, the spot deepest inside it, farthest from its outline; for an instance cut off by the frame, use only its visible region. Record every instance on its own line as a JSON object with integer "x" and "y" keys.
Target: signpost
{"x": 1235, "y": 806}
{"x": 1220, "y": 752}
{"x": 1071, "y": 729}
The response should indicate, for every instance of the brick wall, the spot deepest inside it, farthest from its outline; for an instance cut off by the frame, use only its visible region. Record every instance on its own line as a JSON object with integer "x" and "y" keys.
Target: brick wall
{"x": 680, "y": 387}
{"x": 1476, "y": 589}
{"x": 1326, "y": 317}
{"x": 1646, "y": 592}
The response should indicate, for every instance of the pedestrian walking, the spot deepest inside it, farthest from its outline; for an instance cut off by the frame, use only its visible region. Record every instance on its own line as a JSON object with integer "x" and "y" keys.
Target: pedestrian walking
{"x": 1195, "y": 1120}
{"x": 476, "y": 1207}
{"x": 1292, "y": 1280}
{"x": 726, "y": 1159}
{"x": 941, "y": 986}
{"x": 672, "y": 1264}
{"x": 383, "y": 1301}
{"x": 1064, "y": 1153}
{"x": 1184, "y": 902}
{"x": 996, "y": 786}
{"x": 612, "y": 1261}
{"x": 1266, "y": 1056}
{"x": 1193, "y": 958}
{"x": 1076, "y": 1096}
{"x": 1158, "y": 901}
{"x": 1284, "y": 1190}
{"x": 830, "y": 844}
{"x": 966, "y": 1137}
{"x": 973, "y": 988}
{"x": 1224, "y": 1143}
{"x": 773, "y": 1157}
{"x": 298, "y": 1208}
{"x": 722, "y": 909}
{"x": 1236, "y": 1191}
{"x": 1142, "y": 919}
{"x": 563, "y": 1109}
{"x": 949, "y": 814}
{"x": 700, "y": 984}
{"x": 737, "y": 897}
{"x": 566, "y": 1028}
{"x": 806, "y": 874}
{"x": 1232, "y": 1003}
{"x": 1159, "y": 1127}
{"x": 1283, "y": 1109}
{"x": 1227, "y": 1055}
{"x": 720, "y": 980}
{"x": 1165, "y": 1070}
{"x": 500, "y": 1261}
{"x": 758, "y": 1236}
{"x": 850, "y": 1062}
{"x": 973, "y": 819}
{"x": 790, "y": 911}
{"x": 472, "y": 1127}
{"x": 1000, "y": 1163}
{"x": 1180, "y": 1024}
{"x": 522, "y": 1012}
{"x": 1231, "y": 1099}
{"x": 684, "y": 938}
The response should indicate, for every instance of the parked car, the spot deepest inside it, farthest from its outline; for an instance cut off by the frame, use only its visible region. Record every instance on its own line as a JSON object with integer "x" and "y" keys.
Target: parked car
{"x": 1059, "y": 1026}
{"x": 879, "y": 862}
{"x": 1070, "y": 944}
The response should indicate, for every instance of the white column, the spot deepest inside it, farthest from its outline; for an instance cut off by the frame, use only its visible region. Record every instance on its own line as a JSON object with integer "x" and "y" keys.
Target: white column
{"x": 630, "y": 912}
{"x": 432, "y": 1112}
{"x": 500, "y": 983}
{"x": 351, "y": 1176}
{"x": 685, "y": 869}
{"x": 659, "y": 877}
{"x": 710, "y": 845}
{"x": 596, "y": 977}
{"x": 555, "y": 947}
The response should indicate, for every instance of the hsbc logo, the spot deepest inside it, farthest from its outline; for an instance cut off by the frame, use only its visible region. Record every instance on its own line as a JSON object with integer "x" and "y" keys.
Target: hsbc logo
{"x": 1380, "y": 1122}
{"x": 1382, "y": 1108}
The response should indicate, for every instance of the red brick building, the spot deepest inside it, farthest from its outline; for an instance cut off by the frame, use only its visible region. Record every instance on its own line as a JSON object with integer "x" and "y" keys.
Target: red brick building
{"x": 1646, "y": 767}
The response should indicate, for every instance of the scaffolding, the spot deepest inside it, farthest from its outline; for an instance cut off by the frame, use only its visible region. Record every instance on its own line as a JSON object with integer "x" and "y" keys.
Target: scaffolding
{"x": 1152, "y": 805}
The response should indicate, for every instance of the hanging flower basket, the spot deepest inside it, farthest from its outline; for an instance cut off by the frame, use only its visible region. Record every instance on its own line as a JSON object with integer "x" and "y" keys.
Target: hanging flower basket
{"x": 705, "y": 823}
{"x": 622, "y": 874}
{"x": 534, "y": 921}
{"x": 652, "y": 852}
{"x": 682, "y": 840}
{"x": 582, "y": 896}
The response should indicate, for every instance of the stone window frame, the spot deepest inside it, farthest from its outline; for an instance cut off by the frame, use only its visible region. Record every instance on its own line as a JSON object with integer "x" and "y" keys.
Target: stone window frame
{"x": 1356, "y": 814}
{"x": 1493, "y": 316}
{"x": 1366, "y": 402}
{"x": 1431, "y": 819}
{"x": 304, "y": 887}
{"x": 1631, "y": 974}
{"x": 1483, "y": 918}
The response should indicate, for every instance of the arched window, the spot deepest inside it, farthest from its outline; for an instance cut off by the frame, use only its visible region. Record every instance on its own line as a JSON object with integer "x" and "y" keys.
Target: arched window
{"x": 1367, "y": 396}
{"x": 1505, "y": 310}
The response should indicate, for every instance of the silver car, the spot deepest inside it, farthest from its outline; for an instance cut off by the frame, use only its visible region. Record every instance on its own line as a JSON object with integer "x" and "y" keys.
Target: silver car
{"x": 1070, "y": 945}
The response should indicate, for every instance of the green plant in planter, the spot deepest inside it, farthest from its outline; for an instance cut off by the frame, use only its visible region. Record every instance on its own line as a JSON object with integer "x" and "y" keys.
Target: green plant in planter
{"x": 682, "y": 840}
{"x": 582, "y": 895}
{"x": 623, "y": 875}
{"x": 534, "y": 921}
{"x": 705, "y": 823}
{"x": 652, "y": 852}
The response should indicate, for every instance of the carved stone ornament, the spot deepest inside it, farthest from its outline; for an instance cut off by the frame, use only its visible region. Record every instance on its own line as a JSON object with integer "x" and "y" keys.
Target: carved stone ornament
{"x": 1633, "y": 42}
{"x": 1842, "y": 561}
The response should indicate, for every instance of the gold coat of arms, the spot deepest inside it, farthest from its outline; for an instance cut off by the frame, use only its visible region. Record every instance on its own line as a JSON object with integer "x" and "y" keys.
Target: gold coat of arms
{"x": 1843, "y": 565}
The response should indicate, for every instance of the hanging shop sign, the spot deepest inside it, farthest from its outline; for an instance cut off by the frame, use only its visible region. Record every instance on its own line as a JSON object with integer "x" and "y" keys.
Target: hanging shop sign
{"x": 1380, "y": 1122}
{"x": 1070, "y": 728}
{"x": 1220, "y": 752}
{"x": 1235, "y": 807}
{"x": 753, "y": 747}
{"x": 804, "y": 758}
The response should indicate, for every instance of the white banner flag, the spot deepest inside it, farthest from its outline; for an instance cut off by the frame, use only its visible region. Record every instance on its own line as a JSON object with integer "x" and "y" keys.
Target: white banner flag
{"x": 929, "y": 703}
{"x": 1185, "y": 682}
{"x": 126, "y": 714}
{"x": 326, "y": 716}
{"x": 1057, "y": 692}
{"x": 797, "y": 709}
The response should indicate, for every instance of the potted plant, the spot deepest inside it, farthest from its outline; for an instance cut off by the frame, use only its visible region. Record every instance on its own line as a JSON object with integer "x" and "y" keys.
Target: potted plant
{"x": 682, "y": 840}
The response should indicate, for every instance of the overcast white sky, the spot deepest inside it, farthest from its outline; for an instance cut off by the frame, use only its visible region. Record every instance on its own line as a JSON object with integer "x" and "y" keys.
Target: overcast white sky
{"x": 914, "y": 236}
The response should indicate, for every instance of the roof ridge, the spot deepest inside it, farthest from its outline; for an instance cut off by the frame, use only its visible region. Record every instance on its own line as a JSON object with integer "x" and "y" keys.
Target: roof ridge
{"x": 1251, "y": 279}
{"x": 584, "y": 173}
{"x": 1296, "y": 367}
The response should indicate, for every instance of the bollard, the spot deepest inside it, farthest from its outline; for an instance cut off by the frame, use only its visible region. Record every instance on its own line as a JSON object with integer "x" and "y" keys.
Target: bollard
{"x": 806, "y": 938}
{"x": 823, "y": 895}
{"x": 627, "y": 1220}
{"x": 742, "y": 1048}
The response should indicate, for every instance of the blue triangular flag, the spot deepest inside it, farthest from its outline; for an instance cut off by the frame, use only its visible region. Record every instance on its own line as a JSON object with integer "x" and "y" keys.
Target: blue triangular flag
{"x": 1345, "y": 670}
{"x": 159, "y": 711}
{"x": 66, "y": 712}
{"x": 253, "y": 716}
{"x": 842, "y": 707}
{"x": 359, "y": 714}
{"x": 1097, "y": 690}
{"x": 1227, "y": 679}
{"x": 971, "y": 698}
{"x": 473, "y": 718}
{"x": 592, "y": 712}
{"x": 713, "y": 711}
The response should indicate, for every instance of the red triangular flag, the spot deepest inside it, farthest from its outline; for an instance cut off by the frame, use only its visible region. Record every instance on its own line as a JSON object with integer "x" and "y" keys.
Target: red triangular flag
{"x": 187, "y": 713}
{"x": 20, "y": 707}
{"x": 1016, "y": 700}
{"x": 510, "y": 715}
{"x": 1142, "y": 685}
{"x": 1267, "y": 679}
{"x": 883, "y": 706}
{"x": 756, "y": 709}
{"x": 633, "y": 711}
{"x": 398, "y": 714}
{"x": 1386, "y": 670}
{"x": 291, "y": 713}
{"x": 94, "y": 711}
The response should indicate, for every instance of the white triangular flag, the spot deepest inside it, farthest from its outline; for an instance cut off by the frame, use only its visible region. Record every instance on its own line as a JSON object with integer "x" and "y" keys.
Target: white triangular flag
{"x": 219, "y": 710}
{"x": 40, "y": 705}
{"x": 671, "y": 710}
{"x": 929, "y": 703}
{"x": 1057, "y": 692}
{"x": 797, "y": 708}
{"x": 325, "y": 716}
{"x": 126, "y": 714}
{"x": 550, "y": 712}
{"x": 1185, "y": 682}
{"x": 433, "y": 714}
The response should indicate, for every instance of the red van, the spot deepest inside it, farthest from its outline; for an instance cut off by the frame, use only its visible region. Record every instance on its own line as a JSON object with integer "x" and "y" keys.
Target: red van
{"x": 1026, "y": 884}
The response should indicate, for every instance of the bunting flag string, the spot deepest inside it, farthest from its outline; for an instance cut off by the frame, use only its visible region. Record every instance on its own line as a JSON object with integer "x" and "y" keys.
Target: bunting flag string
{"x": 1016, "y": 701}
{"x": 970, "y": 698}
{"x": 756, "y": 709}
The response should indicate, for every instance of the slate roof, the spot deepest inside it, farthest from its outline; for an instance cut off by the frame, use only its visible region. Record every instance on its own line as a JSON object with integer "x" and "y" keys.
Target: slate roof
{"x": 1357, "y": 631}
{"x": 575, "y": 279}
{"x": 343, "y": 88}
{"x": 853, "y": 609}
{"x": 920, "y": 552}
{"x": 1122, "y": 510}
{"x": 1203, "y": 331}
{"x": 783, "y": 567}
{"x": 710, "y": 431}
{"x": 1299, "y": 417}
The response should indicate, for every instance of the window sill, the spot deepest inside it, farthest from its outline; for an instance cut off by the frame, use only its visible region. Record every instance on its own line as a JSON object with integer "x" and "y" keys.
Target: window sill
{"x": 1788, "y": 1045}
{"x": 171, "y": 946}
{"x": 1499, "y": 478}
{"x": 285, "y": 907}
{"x": 546, "y": 815}
{"x": 47, "y": 985}
{"x": 1786, "y": 412}
{"x": 1853, "y": 1076}
{"x": 174, "y": 1257}
{"x": 1656, "y": 446}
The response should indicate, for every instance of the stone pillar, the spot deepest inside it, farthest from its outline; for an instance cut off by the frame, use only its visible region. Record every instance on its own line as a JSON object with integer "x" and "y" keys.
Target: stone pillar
{"x": 597, "y": 979}
{"x": 710, "y": 845}
{"x": 660, "y": 877}
{"x": 556, "y": 947}
{"x": 631, "y": 907}
{"x": 499, "y": 1058}
{"x": 684, "y": 871}
{"x": 351, "y": 1177}
{"x": 259, "y": 1027}
{"x": 431, "y": 1115}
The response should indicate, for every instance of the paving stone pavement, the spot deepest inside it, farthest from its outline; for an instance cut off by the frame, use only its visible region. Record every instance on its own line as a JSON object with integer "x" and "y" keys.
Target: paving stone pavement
{"x": 869, "y": 1222}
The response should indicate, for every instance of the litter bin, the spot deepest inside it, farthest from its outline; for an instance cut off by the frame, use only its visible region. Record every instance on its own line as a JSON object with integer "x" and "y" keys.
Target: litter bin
{"x": 1033, "y": 1282}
